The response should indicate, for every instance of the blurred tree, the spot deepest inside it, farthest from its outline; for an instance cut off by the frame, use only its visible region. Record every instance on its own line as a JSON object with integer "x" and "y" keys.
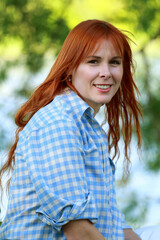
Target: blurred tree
{"x": 145, "y": 18}
{"x": 135, "y": 207}
{"x": 28, "y": 29}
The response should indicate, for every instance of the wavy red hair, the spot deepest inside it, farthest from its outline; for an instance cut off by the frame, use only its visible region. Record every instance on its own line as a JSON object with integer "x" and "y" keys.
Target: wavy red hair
{"x": 80, "y": 42}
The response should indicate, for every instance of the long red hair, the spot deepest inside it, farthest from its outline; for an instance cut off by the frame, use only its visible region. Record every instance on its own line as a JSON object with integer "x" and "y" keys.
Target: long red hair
{"x": 80, "y": 42}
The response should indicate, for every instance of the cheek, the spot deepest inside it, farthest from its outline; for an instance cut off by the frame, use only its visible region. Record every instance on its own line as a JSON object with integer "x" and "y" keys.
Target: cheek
{"x": 76, "y": 78}
{"x": 78, "y": 74}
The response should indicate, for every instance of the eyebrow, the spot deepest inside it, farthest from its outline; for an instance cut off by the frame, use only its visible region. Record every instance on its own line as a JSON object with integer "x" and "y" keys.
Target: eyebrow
{"x": 94, "y": 57}
{"x": 98, "y": 57}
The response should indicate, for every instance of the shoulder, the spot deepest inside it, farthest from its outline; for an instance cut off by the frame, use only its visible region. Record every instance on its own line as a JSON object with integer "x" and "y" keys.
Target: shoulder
{"x": 56, "y": 116}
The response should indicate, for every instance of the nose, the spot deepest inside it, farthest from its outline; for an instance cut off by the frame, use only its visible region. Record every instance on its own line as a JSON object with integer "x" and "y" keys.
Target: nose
{"x": 105, "y": 71}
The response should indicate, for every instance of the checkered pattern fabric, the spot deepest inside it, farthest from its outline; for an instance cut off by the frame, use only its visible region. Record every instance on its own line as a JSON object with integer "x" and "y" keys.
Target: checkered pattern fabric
{"x": 62, "y": 172}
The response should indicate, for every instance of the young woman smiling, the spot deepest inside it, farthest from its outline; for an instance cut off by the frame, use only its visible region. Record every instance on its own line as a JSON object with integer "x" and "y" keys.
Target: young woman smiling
{"x": 62, "y": 185}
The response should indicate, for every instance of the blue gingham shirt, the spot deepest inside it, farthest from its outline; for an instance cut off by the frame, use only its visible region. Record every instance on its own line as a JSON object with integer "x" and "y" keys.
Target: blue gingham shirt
{"x": 62, "y": 172}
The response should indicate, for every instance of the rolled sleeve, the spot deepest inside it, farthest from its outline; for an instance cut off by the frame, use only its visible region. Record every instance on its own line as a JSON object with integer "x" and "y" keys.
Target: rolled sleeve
{"x": 55, "y": 160}
{"x": 125, "y": 226}
{"x": 68, "y": 211}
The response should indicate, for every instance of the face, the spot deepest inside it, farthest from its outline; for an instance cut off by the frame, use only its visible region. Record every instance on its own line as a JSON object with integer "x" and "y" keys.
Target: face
{"x": 98, "y": 77}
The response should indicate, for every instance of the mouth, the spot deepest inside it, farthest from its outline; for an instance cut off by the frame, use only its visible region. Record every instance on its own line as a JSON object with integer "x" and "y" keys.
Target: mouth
{"x": 103, "y": 86}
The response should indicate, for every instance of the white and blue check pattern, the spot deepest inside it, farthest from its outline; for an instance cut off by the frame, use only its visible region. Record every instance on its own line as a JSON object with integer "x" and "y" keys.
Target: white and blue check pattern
{"x": 62, "y": 172}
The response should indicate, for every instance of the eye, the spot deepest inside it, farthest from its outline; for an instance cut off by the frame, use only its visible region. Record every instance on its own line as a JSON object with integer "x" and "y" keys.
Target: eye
{"x": 116, "y": 62}
{"x": 93, "y": 61}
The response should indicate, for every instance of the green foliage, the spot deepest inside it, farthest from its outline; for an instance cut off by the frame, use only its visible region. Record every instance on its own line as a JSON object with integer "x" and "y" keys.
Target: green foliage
{"x": 152, "y": 115}
{"x": 151, "y": 133}
{"x": 144, "y": 17}
{"x": 37, "y": 26}
{"x": 135, "y": 209}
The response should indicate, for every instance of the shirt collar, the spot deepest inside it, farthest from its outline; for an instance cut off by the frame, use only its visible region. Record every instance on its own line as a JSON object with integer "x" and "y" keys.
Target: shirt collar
{"x": 76, "y": 103}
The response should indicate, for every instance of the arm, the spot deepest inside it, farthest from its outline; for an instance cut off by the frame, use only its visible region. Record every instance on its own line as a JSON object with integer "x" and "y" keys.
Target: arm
{"x": 129, "y": 234}
{"x": 81, "y": 230}
{"x": 55, "y": 161}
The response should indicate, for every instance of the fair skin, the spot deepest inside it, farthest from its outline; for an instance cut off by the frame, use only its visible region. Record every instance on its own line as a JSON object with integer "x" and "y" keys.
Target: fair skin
{"x": 97, "y": 79}
{"x": 99, "y": 76}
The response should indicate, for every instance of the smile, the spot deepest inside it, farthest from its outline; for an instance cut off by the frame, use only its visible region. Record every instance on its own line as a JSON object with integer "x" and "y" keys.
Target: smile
{"x": 103, "y": 86}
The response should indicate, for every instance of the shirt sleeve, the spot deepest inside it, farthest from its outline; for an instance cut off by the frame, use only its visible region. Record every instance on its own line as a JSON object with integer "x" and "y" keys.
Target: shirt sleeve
{"x": 55, "y": 159}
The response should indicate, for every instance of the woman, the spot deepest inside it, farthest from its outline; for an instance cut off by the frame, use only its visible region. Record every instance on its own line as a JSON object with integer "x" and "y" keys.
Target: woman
{"x": 62, "y": 186}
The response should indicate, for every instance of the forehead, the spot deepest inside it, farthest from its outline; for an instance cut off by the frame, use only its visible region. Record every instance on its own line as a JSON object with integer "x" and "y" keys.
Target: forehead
{"x": 106, "y": 46}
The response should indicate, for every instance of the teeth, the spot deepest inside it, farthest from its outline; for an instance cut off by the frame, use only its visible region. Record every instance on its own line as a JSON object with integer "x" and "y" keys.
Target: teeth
{"x": 103, "y": 86}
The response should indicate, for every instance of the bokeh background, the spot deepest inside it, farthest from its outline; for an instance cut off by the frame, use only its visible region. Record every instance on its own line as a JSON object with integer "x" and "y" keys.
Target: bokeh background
{"x": 31, "y": 35}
